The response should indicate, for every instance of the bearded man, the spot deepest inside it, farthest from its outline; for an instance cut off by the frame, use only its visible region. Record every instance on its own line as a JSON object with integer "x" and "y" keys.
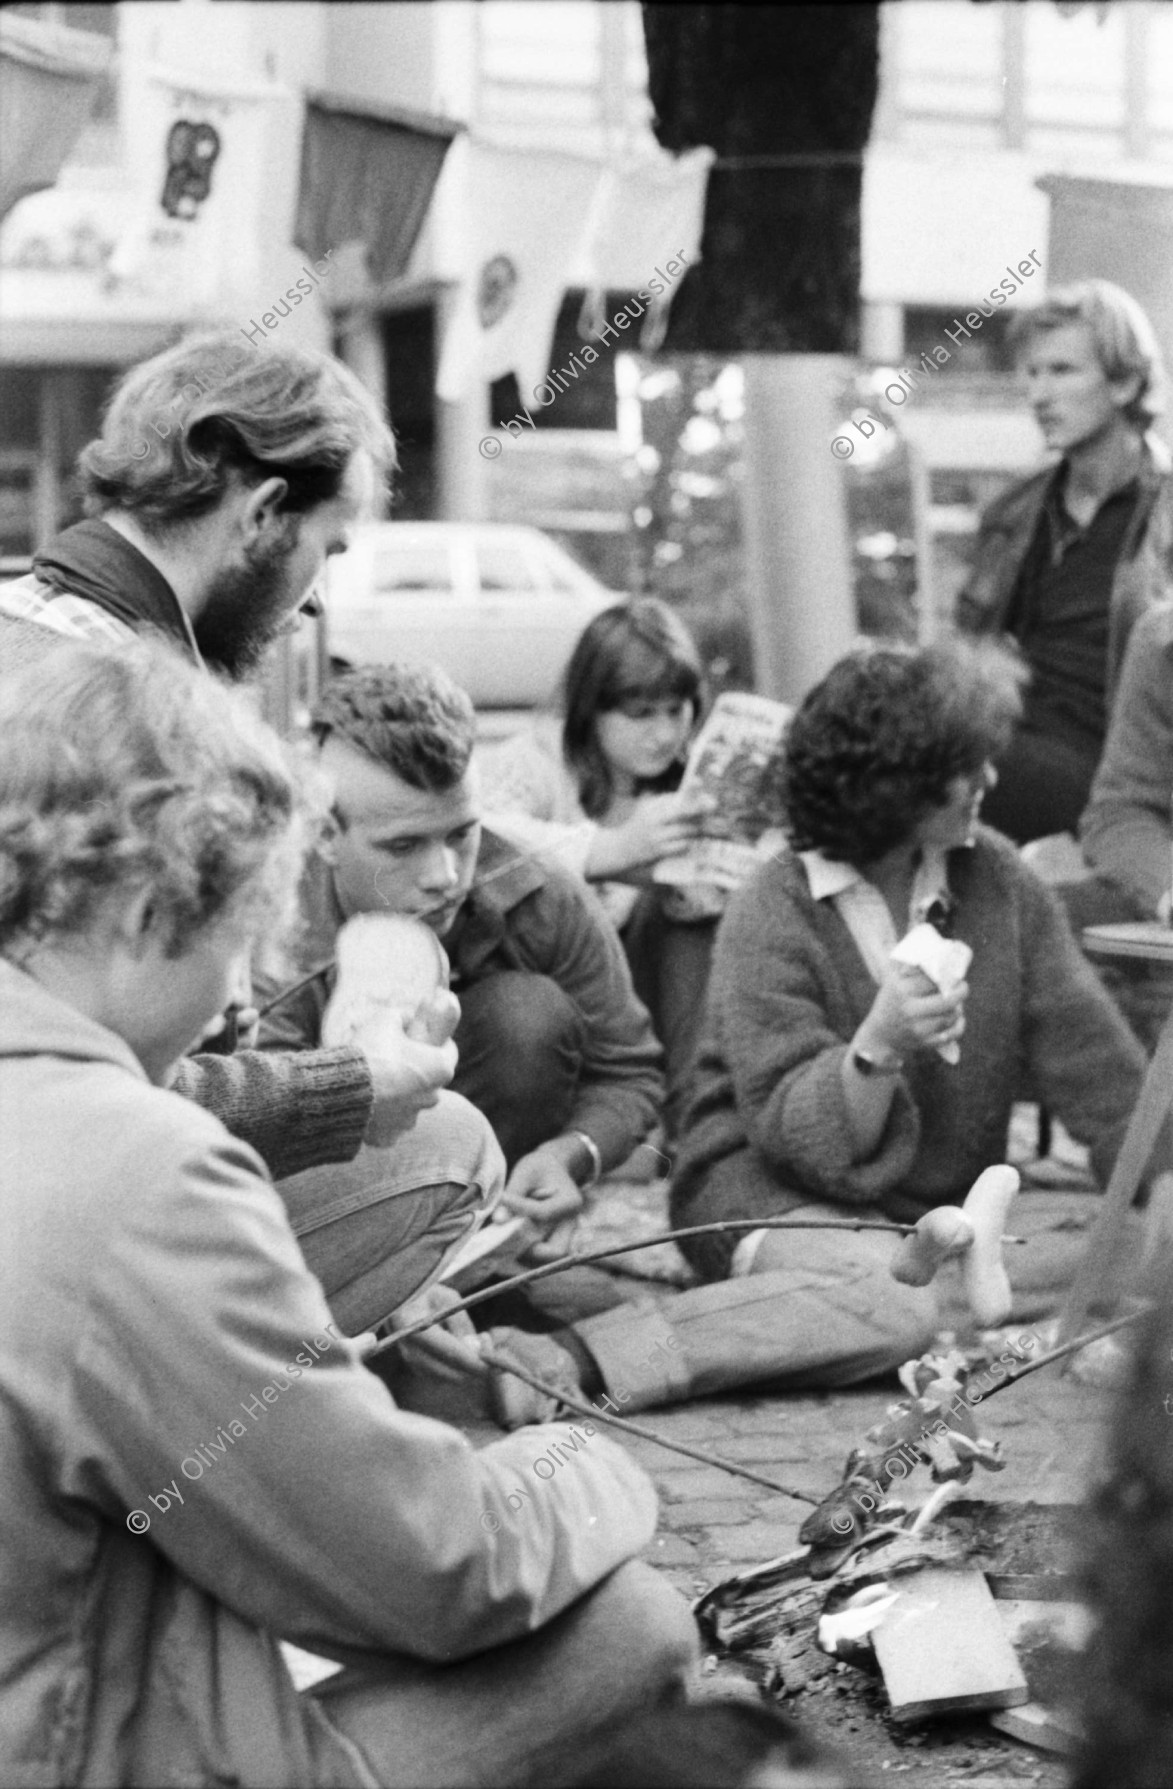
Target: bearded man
{"x": 224, "y": 476}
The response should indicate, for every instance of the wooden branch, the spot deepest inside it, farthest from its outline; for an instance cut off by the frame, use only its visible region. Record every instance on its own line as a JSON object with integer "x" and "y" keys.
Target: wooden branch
{"x": 626, "y": 1426}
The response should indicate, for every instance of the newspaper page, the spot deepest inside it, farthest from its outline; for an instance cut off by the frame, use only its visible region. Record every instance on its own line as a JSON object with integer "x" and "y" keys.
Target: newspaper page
{"x": 732, "y": 760}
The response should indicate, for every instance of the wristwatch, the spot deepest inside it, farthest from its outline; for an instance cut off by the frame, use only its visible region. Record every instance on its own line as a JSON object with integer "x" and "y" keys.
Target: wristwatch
{"x": 866, "y": 1062}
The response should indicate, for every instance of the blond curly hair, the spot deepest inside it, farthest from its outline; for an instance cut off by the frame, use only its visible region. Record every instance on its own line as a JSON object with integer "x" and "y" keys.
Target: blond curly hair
{"x": 129, "y": 769}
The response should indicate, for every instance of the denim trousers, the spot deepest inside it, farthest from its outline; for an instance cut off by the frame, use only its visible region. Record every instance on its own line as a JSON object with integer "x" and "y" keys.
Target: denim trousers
{"x": 378, "y": 1229}
{"x": 534, "y": 1713}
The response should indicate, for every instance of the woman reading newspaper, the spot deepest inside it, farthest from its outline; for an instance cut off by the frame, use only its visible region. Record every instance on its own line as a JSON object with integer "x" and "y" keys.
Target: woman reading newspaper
{"x": 602, "y": 784}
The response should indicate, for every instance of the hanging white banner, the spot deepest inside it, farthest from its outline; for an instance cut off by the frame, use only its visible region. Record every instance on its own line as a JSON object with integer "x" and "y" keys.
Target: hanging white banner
{"x": 196, "y": 238}
{"x": 526, "y": 214}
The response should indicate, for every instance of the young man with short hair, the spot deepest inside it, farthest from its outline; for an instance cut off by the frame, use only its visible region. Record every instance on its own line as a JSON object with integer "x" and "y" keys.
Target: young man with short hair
{"x": 555, "y": 1049}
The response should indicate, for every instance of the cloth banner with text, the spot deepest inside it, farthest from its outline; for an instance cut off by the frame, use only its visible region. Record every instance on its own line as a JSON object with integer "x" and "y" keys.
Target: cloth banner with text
{"x": 194, "y": 242}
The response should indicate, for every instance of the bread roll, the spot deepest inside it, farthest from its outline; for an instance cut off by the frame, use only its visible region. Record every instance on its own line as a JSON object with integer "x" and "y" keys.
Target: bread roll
{"x": 388, "y": 966}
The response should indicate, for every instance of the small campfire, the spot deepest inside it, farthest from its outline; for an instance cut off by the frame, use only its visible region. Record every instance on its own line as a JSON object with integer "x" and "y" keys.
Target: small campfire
{"x": 946, "y": 1639}
{"x": 895, "y": 1628}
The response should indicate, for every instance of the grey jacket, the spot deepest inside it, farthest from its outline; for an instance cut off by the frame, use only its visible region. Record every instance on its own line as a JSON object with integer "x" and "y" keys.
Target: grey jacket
{"x": 165, "y": 1351}
{"x": 1127, "y": 827}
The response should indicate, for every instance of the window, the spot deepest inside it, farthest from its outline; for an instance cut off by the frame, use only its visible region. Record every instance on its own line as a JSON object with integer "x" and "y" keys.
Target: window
{"x": 406, "y": 570}
{"x": 987, "y": 351}
{"x": 409, "y": 359}
{"x": 503, "y": 568}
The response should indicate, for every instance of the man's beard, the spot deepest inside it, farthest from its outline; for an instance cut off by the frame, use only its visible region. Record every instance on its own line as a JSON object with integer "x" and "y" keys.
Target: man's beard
{"x": 246, "y": 607}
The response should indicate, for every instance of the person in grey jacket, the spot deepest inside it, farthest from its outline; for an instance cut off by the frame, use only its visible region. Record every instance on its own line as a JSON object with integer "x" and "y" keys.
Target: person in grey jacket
{"x": 1126, "y": 830}
{"x": 194, "y": 1466}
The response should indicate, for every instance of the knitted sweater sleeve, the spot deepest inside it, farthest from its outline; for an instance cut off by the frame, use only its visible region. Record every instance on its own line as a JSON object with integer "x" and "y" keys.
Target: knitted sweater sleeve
{"x": 297, "y": 1108}
{"x": 785, "y": 1017}
{"x": 1084, "y": 1063}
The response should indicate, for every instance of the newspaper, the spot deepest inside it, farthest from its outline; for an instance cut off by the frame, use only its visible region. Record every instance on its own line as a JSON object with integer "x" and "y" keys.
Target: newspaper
{"x": 733, "y": 760}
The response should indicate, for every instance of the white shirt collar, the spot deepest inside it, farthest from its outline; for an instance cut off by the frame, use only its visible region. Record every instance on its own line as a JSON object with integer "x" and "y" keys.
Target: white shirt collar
{"x": 828, "y": 877}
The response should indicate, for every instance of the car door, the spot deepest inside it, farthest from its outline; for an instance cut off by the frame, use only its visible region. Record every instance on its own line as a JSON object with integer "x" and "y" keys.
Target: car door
{"x": 531, "y": 619}
{"x": 394, "y": 598}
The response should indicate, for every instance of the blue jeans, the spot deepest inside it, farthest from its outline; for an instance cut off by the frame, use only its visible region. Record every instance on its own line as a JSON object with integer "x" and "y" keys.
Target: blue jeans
{"x": 521, "y": 1046}
{"x": 378, "y": 1229}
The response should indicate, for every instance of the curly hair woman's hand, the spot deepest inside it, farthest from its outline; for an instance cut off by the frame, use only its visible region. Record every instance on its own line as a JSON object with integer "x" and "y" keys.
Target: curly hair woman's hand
{"x": 910, "y": 1013}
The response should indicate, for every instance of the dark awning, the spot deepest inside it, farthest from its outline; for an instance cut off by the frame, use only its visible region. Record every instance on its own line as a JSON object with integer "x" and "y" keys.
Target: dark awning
{"x": 367, "y": 175}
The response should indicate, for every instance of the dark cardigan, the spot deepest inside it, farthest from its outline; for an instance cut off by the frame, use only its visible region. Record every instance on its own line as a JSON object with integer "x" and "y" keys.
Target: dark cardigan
{"x": 788, "y": 991}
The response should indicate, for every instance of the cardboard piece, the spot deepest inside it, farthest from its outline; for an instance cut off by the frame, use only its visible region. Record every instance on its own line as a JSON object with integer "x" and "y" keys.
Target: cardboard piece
{"x": 942, "y": 1647}
{"x": 1047, "y": 1728}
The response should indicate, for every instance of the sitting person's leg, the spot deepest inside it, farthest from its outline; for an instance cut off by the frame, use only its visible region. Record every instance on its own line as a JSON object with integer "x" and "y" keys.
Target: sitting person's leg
{"x": 807, "y": 1308}
{"x": 670, "y": 962}
{"x": 377, "y": 1229}
{"x": 532, "y": 1712}
{"x": 521, "y": 1042}
{"x": 815, "y": 1309}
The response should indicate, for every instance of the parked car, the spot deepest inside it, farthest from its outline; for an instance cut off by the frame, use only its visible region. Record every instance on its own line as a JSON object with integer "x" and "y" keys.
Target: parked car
{"x": 498, "y": 606}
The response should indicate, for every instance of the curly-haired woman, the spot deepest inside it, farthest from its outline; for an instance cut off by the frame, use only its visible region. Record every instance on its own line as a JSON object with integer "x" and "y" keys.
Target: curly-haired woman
{"x": 820, "y": 1088}
{"x": 156, "y": 1314}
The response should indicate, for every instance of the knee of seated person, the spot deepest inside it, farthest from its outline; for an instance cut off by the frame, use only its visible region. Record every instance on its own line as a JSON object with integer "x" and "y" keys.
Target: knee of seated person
{"x": 533, "y": 1016}
{"x": 652, "y": 1643}
{"x": 463, "y": 1144}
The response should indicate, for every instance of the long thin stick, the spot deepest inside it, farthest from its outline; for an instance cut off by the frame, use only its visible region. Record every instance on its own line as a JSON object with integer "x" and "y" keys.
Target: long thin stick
{"x": 725, "y": 1225}
{"x": 295, "y": 987}
{"x": 626, "y": 1426}
{"x": 1072, "y": 1347}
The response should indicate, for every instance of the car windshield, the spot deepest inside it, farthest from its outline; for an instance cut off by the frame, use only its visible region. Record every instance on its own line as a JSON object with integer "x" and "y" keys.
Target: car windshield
{"x": 404, "y": 567}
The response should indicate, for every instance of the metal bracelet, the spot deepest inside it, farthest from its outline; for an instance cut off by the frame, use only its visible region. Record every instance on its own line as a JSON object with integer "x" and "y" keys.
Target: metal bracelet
{"x": 596, "y": 1161}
